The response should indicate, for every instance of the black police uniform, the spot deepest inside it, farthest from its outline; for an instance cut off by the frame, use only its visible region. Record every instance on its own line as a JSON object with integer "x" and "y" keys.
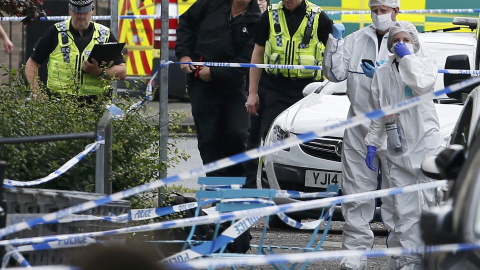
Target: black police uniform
{"x": 208, "y": 30}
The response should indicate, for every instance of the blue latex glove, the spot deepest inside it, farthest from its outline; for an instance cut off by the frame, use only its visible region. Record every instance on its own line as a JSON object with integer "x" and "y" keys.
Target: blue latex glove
{"x": 368, "y": 69}
{"x": 401, "y": 49}
{"x": 371, "y": 150}
{"x": 338, "y": 30}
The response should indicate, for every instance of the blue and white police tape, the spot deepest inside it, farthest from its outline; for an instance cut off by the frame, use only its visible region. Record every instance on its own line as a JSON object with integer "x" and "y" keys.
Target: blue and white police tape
{"x": 134, "y": 214}
{"x": 48, "y": 267}
{"x": 76, "y": 218}
{"x": 417, "y": 11}
{"x": 304, "y": 195}
{"x": 239, "y": 158}
{"x": 16, "y": 218}
{"x": 328, "y": 12}
{"x": 218, "y": 187}
{"x": 276, "y": 66}
{"x": 65, "y": 167}
{"x": 142, "y": 214}
{"x": 307, "y": 225}
{"x": 231, "y": 233}
{"x": 263, "y": 211}
{"x": 211, "y": 263}
{"x": 16, "y": 255}
{"x": 67, "y": 243}
{"x": 148, "y": 90}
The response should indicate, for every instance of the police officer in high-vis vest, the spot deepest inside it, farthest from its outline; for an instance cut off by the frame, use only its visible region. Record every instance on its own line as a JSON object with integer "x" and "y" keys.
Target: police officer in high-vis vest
{"x": 67, "y": 45}
{"x": 292, "y": 32}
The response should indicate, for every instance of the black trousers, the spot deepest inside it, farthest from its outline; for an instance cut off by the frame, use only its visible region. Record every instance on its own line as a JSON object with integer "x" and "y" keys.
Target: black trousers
{"x": 221, "y": 122}
{"x": 254, "y": 141}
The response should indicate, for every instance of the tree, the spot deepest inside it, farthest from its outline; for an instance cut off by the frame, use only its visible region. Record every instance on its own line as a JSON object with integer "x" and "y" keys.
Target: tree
{"x": 30, "y": 9}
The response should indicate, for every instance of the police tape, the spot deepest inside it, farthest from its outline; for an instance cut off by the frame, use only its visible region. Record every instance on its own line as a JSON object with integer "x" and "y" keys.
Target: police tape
{"x": 48, "y": 267}
{"x": 328, "y": 12}
{"x": 305, "y": 225}
{"x": 277, "y": 66}
{"x": 134, "y": 214}
{"x": 16, "y": 255}
{"x": 416, "y": 11}
{"x": 148, "y": 91}
{"x": 312, "y": 225}
{"x": 65, "y": 167}
{"x": 142, "y": 214}
{"x": 231, "y": 233}
{"x": 241, "y": 157}
{"x": 304, "y": 195}
{"x": 255, "y": 260}
{"x": 263, "y": 211}
{"x": 150, "y": 213}
{"x": 67, "y": 243}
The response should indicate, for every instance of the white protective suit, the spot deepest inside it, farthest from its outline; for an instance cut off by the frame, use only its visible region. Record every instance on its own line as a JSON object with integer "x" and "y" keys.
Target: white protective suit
{"x": 419, "y": 129}
{"x": 342, "y": 61}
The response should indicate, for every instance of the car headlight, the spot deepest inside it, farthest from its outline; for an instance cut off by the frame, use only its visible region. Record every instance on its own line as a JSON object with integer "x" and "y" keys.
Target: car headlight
{"x": 277, "y": 133}
{"x": 280, "y": 133}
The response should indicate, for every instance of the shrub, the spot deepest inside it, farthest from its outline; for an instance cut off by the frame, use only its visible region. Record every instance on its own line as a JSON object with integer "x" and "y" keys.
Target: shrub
{"x": 135, "y": 150}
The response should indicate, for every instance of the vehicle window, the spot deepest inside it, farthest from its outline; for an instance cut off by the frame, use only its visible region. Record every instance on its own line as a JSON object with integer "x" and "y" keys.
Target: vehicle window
{"x": 462, "y": 129}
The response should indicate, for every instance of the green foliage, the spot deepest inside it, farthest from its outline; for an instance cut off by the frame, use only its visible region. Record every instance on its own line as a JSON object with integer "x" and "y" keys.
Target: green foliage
{"x": 135, "y": 153}
{"x": 30, "y": 9}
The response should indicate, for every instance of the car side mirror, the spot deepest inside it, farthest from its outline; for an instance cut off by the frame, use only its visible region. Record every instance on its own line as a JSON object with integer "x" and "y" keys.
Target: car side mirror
{"x": 429, "y": 168}
{"x": 312, "y": 87}
{"x": 461, "y": 62}
{"x": 436, "y": 225}
{"x": 450, "y": 161}
{"x": 446, "y": 165}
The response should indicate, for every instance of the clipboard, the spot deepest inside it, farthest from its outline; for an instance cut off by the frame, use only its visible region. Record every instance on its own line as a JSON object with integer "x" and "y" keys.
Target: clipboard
{"x": 106, "y": 52}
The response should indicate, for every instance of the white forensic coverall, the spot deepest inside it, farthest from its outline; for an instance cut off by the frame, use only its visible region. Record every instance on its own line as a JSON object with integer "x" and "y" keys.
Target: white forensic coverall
{"x": 342, "y": 61}
{"x": 421, "y": 139}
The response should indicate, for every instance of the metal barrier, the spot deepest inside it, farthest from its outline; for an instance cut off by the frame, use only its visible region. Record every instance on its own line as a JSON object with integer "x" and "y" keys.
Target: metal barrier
{"x": 103, "y": 166}
{"x": 19, "y": 204}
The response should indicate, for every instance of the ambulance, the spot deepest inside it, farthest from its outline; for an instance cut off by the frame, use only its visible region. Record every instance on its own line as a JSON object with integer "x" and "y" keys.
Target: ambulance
{"x": 142, "y": 45}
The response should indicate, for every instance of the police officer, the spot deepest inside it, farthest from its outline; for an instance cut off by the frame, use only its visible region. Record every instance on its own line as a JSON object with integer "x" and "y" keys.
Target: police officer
{"x": 291, "y": 32}
{"x": 218, "y": 31}
{"x": 66, "y": 45}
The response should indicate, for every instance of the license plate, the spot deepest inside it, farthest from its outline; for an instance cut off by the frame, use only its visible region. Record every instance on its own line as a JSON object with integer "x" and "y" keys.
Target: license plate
{"x": 321, "y": 178}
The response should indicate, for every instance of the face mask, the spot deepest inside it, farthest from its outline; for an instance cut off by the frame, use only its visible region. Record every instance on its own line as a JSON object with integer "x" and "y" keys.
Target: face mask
{"x": 409, "y": 46}
{"x": 382, "y": 22}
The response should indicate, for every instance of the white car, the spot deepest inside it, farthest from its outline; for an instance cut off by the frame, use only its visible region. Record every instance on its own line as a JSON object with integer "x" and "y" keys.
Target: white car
{"x": 311, "y": 166}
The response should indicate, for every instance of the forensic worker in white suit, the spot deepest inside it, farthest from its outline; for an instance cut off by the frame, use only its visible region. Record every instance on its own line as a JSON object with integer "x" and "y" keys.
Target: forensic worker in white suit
{"x": 343, "y": 61}
{"x": 411, "y": 135}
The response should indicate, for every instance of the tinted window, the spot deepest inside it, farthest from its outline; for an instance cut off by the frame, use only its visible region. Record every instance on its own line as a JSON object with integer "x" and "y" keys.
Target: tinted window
{"x": 462, "y": 129}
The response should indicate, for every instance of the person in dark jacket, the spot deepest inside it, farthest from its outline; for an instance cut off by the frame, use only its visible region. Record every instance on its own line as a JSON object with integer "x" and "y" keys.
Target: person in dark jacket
{"x": 218, "y": 31}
